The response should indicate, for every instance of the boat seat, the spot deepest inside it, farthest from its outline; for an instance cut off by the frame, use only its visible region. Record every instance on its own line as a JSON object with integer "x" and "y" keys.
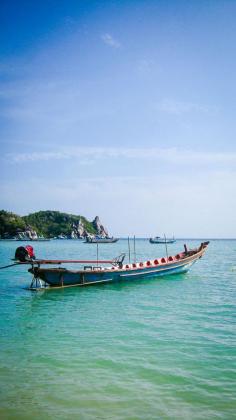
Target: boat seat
{"x": 127, "y": 266}
{"x": 148, "y": 263}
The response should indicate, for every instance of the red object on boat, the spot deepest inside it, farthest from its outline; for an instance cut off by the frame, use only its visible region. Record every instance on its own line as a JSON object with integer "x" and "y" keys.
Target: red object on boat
{"x": 30, "y": 251}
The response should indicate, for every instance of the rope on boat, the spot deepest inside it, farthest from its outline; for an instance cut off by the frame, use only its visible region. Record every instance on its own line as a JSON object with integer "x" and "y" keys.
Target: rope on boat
{"x": 11, "y": 265}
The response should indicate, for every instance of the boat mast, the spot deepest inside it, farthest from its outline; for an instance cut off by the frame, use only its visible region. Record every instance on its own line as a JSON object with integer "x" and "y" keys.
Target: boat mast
{"x": 97, "y": 254}
{"x": 129, "y": 249}
{"x": 166, "y": 247}
{"x": 134, "y": 250}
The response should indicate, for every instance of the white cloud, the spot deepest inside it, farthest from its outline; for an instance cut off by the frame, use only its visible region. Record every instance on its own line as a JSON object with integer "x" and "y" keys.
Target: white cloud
{"x": 170, "y": 106}
{"x": 144, "y": 66}
{"x": 92, "y": 154}
{"x": 109, "y": 40}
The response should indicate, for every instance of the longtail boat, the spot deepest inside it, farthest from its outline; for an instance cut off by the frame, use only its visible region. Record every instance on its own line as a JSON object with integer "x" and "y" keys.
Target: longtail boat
{"x": 97, "y": 271}
{"x": 100, "y": 240}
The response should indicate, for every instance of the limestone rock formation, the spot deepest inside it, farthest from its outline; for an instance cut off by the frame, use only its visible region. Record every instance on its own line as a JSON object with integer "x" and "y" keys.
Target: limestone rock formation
{"x": 100, "y": 229}
{"x": 27, "y": 233}
{"x": 78, "y": 230}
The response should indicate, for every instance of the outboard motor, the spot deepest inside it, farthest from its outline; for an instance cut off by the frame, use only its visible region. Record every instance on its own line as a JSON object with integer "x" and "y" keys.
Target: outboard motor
{"x": 24, "y": 254}
{"x": 30, "y": 251}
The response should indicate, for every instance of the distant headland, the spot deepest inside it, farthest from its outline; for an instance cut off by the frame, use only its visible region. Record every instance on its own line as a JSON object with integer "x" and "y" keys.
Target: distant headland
{"x": 48, "y": 224}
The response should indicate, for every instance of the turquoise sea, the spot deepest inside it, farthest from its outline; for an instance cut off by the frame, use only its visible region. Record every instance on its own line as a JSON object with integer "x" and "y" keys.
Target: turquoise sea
{"x": 150, "y": 349}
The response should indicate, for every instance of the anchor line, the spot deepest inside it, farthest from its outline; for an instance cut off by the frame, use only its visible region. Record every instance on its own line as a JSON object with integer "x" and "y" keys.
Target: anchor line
{"x": 11, "y": 265}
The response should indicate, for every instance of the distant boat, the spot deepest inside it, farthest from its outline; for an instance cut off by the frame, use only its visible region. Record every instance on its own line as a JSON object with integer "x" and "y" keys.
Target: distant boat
{"x": 159, "y": 240}
{"x": 41, "y": 239}
{"x": 100, "y": 240}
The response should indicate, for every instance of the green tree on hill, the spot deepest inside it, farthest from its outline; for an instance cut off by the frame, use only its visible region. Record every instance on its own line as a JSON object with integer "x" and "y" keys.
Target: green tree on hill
{"x": 46, "y": 223}
{"x": 10, "y": 223}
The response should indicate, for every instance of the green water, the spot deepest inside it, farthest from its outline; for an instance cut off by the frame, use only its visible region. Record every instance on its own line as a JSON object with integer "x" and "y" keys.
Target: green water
{"x": 151, "y": 349}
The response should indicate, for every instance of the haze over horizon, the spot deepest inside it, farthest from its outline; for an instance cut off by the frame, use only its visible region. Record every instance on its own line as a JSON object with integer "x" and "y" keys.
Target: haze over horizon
{"x": 122, "y": 109}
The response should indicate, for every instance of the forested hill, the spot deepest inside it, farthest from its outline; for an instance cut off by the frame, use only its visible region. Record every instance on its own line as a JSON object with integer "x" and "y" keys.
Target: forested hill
{"x": 48, "y": 224}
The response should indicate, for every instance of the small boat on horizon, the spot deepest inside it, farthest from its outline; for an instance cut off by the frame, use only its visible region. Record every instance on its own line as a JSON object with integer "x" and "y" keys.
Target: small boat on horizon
{"x": 159, "y": 240}
{"x": 100, "y": 240}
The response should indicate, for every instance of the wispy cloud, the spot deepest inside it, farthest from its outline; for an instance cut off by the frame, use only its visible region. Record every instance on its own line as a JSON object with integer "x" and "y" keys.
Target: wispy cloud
{"x": 110, "y": 40}
{"x": 144, "y": 66}
{"x": 173, "y": 107}
{"x": 92, "y": 154}
{"x": 147, "y": 197}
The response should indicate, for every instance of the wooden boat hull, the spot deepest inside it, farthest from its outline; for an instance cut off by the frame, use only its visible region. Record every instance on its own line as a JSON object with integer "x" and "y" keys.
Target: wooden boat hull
{"x": 62, "y": 277}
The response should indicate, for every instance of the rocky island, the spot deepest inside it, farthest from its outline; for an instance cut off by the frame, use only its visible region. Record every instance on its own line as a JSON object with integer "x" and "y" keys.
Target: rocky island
{"x": 48, "y": 224}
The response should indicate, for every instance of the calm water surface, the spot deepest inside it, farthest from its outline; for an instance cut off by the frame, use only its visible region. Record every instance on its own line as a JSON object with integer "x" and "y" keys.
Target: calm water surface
{"x": 149, "y": 349}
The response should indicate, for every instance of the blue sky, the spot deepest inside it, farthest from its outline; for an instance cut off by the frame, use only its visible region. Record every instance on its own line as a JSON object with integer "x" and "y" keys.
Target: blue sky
{"x": 125, "y": 109}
